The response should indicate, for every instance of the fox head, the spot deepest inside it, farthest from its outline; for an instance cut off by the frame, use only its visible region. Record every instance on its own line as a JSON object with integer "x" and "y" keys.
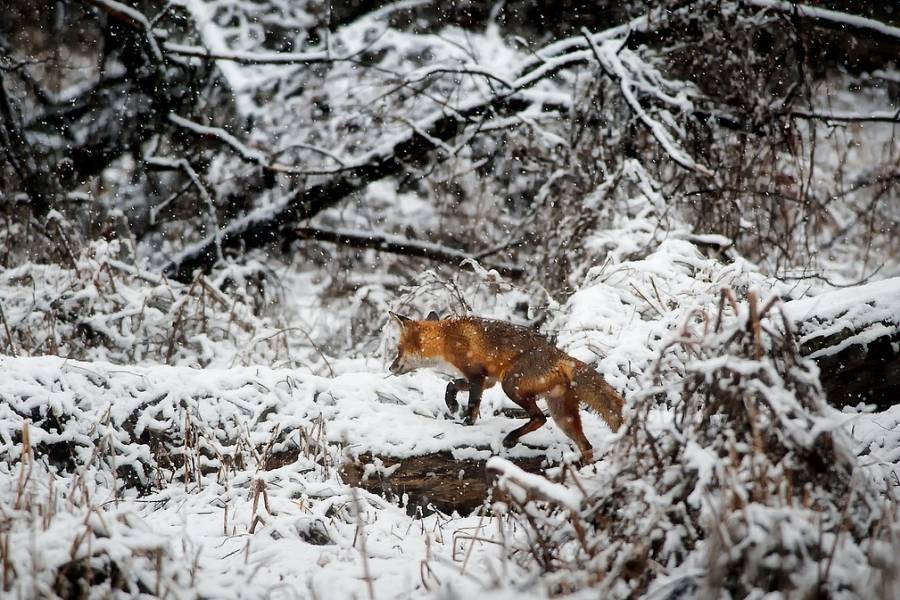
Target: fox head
{"x": 410, "y": 350}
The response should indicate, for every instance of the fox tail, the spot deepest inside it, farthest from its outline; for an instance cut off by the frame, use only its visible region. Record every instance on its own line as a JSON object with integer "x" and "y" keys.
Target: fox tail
{"x": 591, "y": 389}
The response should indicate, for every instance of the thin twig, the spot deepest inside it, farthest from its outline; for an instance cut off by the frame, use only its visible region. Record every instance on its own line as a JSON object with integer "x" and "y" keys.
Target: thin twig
{"x": 361, "y": 535}
{"x": 12, "y": 345}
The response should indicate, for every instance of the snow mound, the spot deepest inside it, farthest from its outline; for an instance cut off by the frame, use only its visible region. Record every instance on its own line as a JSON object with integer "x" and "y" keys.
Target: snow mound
{"x": 230, "y": 412}
{"x": 869, "y": 311}
{"x": 750, "y": 485}
{"x": 172, "y": 480}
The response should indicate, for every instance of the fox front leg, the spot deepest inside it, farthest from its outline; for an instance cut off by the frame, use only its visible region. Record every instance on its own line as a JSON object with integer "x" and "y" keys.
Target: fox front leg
{"x": 457, "y": 385}
{"x": 476, "y": 387}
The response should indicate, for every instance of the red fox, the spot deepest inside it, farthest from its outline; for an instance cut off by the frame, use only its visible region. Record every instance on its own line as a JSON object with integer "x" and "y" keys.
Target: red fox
{"x": 482, "y": 352}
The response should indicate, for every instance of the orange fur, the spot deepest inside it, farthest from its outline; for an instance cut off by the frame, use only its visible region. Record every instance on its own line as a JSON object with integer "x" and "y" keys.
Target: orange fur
{"x": 528, "y": 367}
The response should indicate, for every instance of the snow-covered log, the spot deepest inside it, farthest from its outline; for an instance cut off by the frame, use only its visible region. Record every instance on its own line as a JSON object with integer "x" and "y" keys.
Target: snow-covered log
{"x": 853, "y": 334}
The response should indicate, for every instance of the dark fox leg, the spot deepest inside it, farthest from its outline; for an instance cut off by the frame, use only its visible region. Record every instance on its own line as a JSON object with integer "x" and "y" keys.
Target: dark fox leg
{"x": 476, "y": 387}
{"x": 536, "y": 419}
{"x": 565, "y": 414}
{"x": 457, "y": 385}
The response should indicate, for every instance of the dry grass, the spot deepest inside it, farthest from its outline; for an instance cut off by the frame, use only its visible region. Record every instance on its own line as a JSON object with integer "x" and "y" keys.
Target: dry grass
{"x": 752, "y": 487}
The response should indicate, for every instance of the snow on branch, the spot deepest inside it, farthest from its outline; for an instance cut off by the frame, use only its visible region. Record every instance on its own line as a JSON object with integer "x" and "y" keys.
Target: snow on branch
{"x": 261, "y": 58}
{"x": 253, "y": 156}
{"x": 609, "y": 57}
{"x": 276, "y": 221}
{"x": 831, "y": 18}
{"x": 523, "y": 486}
{"x": 249, "y": 58}
{"x": 646, "y": 91}
{"x": 131, "y": 17}
{"x": 246, "y": 153}
{"x": 519, "y": 93}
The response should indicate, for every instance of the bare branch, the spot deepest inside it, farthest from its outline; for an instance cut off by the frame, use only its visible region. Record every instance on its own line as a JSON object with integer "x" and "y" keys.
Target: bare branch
{"x": 257, "y": 58}
{"x": 183, "y": 165}
{"x": 468, "y": 69}
{"x": 876, "y": 117}
{"x": 393, "y": 244}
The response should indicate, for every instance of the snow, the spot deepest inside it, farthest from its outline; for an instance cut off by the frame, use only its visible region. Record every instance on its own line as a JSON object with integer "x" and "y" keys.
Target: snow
{"x": 368, "y": 411}
{"x": 872, "y": 310}
{"x": 875, "y": 301}
{"x": 192, "y": 436}
{"x": 829, "y": 15}
{"x": 625, "y": 312}
{"x": 522, "y": 484}
{"x": 229, "y": 527}
{"x": 230, "y": 410}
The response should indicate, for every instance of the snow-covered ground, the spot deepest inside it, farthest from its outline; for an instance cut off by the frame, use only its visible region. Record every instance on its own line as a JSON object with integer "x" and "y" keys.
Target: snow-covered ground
{"x": 193, "y": 443}
{"x": 227, "y": 482}
{"x": 316, "y": 536}
{"x": 113, "y": 423}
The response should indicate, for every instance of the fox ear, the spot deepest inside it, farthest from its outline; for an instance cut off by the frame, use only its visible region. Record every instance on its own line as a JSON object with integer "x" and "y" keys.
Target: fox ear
{"x": 403, "y": 321}
{"x": 432, "y": 316}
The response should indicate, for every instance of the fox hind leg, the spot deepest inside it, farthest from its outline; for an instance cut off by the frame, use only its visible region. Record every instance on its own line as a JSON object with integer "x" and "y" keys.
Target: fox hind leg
{"x": 536, "y": 420}
{"x": 564, "y": 410}
{"x": 512, "y": 386}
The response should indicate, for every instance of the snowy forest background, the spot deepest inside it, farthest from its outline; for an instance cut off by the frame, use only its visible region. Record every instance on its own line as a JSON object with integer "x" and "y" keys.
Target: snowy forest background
{"x": 207, "y": 208}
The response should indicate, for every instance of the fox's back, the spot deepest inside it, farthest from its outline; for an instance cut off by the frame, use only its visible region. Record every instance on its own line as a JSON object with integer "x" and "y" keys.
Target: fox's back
{"x": 472, "y": 344}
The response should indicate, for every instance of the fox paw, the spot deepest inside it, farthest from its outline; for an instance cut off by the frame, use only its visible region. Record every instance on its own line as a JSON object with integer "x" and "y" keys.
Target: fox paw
{"x": 510, "y": 441}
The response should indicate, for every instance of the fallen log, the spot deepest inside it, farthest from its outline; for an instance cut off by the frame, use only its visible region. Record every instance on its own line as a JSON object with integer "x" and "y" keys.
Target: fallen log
{"x": 853, "y": 334}
{"x": 432, "y": 481}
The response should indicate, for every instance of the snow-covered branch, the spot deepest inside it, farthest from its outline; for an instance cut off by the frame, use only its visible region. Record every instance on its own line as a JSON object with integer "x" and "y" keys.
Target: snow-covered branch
{"x": 831, "y": 18}
{"x": 134, "y": 19}
{"x": 608, "y": 56}
{"x": 253, "y": 58}
{"x": 249, "y": 154}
